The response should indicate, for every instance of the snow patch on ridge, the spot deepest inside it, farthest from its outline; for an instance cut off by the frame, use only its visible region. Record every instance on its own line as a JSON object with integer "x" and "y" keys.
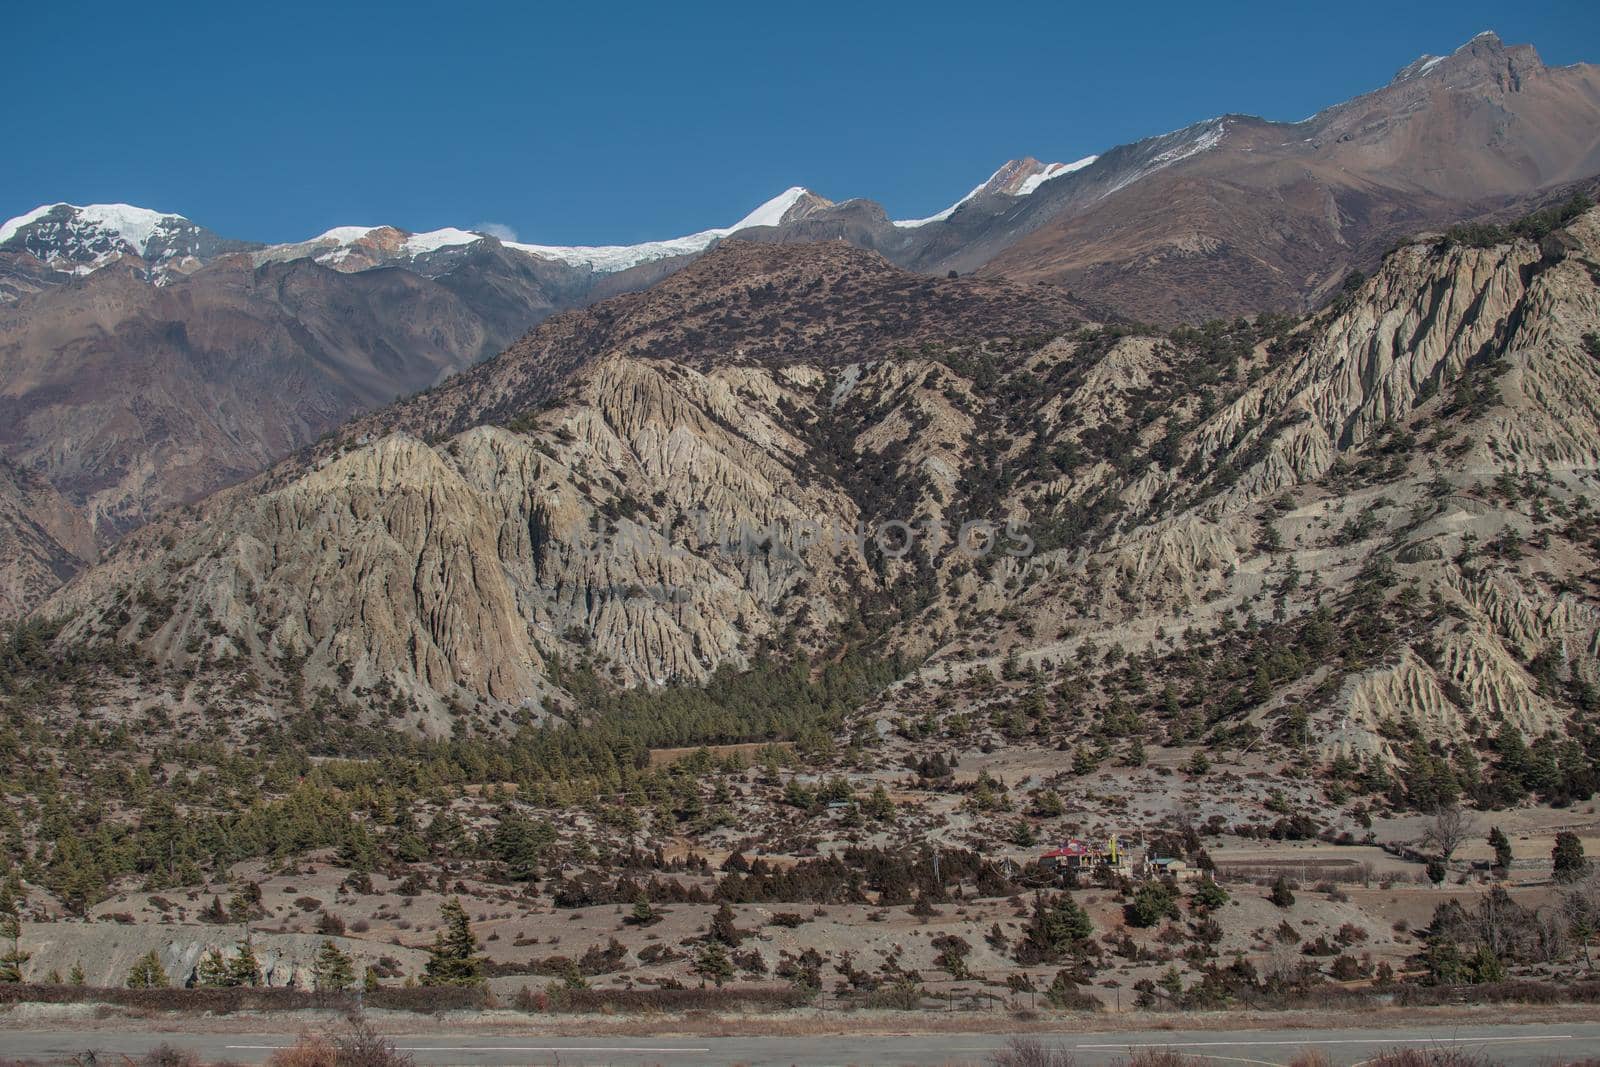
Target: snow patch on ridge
{"x": 772, "y": 212}
{"x": 342, "y": 234}
{"x": 1050, "y": 173}
{"x": 611, "y": 258}
{"x": 1028, "y": 186}
{"x": 421, "y": 243}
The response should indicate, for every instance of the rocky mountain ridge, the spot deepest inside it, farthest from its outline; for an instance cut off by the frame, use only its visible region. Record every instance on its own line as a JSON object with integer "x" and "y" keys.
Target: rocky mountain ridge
{"x": 1402, "y": 483}
{"x": 132, "y": 342}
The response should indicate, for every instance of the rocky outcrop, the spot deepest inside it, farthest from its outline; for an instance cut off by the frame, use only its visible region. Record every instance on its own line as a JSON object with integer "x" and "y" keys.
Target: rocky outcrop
{"x": 107, "y": 951}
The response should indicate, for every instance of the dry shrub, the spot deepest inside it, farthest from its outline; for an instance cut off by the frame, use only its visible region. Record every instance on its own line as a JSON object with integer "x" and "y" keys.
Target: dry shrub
{"x": 310, "y": 1050}
{"x": 165, "y": 1055}
{"x": 1440, "y": 1056}
{"x": 360, "y": 1045}
{"x": 1025, "y": 1052}
{"x": 1163, "y": 1057}
{"x": 1310, "y": 1057}
{"x": 356, "y": 1044}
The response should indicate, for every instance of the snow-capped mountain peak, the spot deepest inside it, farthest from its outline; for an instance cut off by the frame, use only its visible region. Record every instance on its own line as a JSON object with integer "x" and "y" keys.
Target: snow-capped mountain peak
{"x": 133, "y": 226}
{"x": 1016, "y": 178}
{"x": 82, "y": 238}
{"x": 775, "y": 211}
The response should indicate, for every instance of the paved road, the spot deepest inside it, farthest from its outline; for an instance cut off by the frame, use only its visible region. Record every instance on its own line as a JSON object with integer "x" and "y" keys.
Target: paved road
{"x": 1537, "y": 1045}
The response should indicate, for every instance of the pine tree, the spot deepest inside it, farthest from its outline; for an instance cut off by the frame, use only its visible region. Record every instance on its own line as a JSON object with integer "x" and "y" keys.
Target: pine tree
{"x": 1058, "y": 925}
{"x": 452, "y": 960}
{"x": 878, "y": 805}
{"x": 713, "y": 963}
{"x": 520, "y": 843}
{"x": 1567, "y": 858}
{"x": 147, "y": 973}
{"x": 723, "y": 929}
{"x": 1502, "y": 848}
{"x": 1208, "y": 895}
{"x": 245, "y": 904}
{"x": 13, "y": 959}
{"x": 643, "y": 914}
{"x": 1281, "y": 894}
{"x": 212, "y": 971}
{"x": 243, "y": 969}
{"x": 1152, "y": 902}
{"x": 76, "y": 976}
{"x": 333, "y": 971}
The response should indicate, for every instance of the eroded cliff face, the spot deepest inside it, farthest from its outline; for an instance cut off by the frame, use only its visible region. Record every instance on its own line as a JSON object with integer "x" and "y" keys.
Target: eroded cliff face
{"x": 616, "y": 525}
{"x": 43, "y": 540}
{"x": 1425, "y": 449}
{"x": 1440, "y": 425}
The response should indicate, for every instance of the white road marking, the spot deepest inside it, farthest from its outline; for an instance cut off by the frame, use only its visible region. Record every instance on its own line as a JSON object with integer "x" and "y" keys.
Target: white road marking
{"x": 1330, "y": 1041}
{"x": 493, "y": 1048}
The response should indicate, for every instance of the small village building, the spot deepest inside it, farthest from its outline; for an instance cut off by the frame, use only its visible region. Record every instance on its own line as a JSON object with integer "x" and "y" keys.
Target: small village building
{"x": 1175, "y": 869}
{"x": 1076, "y": 857}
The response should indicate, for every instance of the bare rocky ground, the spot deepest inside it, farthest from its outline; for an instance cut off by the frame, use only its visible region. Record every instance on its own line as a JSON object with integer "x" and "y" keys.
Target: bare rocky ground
{"x": 1364, "y": 900}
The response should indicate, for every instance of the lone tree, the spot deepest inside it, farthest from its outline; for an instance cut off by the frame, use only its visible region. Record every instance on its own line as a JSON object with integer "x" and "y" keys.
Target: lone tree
{"x": 333, "y": 971}
{"x": 1449, "y": 827}
{"x": 1208, "y": 895}
{"x": 1058, "y": 926}
{"x": 643, "y": 914}
{"x": 147, "y": 973}
{"x": 1152, "y": 902}
{"x": 723, "y": 928}
{"x": 1567, "y": 857}
{"x": 453, "y": 959}
{"x": 1281, "y": 894}
{"x": 1502, "y": 848}
{"x": 713, "y": 963}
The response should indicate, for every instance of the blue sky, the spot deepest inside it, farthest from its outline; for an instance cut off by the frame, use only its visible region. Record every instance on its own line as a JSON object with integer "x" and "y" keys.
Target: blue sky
{"x": 601, "y": 123}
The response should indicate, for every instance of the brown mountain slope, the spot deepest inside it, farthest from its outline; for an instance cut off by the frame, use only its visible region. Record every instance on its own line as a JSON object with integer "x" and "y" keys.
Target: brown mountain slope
{"x": 1374, "y": 526}
{"x": 43, "y": 540}
{"x": 451, "y": 571}
{"x": 822, "y": 304}
{"x": 129, "y": 397}
{"x": 1241, "y": 214}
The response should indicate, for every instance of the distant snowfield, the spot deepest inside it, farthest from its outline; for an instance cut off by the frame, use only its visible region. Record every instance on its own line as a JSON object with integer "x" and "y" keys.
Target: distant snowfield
{"x": 599, "y": 258}
{"x": 136, "y": 227}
